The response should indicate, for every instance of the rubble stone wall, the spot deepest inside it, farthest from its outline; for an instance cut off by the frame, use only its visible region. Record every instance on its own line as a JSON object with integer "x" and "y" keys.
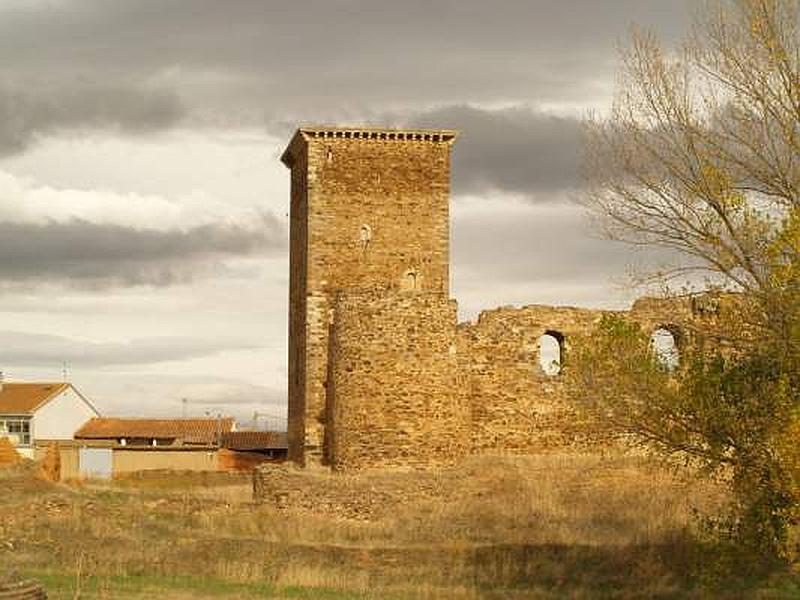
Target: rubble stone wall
{"x": 515, "y": 405}
{"x": 394, "y": 389}
{"x": 298, "y": 286}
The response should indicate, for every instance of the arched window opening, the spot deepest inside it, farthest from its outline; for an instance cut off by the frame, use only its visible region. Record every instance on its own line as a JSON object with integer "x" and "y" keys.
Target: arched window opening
{"x": 665, "y": 347}
{"x": 410, "y": 281}
{"x": 550, "y": 352}
{"x": 365, "y": 236}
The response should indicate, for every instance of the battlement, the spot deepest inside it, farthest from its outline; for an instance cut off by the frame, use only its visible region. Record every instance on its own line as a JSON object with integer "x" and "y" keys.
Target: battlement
{"x": 381, "y": 134}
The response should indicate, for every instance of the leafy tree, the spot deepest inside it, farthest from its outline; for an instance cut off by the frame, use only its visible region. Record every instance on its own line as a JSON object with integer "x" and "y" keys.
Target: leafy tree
{"x": 735, "y": 416}
{"x": 701, "y": 156}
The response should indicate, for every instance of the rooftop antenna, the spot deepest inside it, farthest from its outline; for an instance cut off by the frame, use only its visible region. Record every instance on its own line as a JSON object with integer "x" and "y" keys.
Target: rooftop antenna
{"x": 64, "y": 371}
{"x": 184, "y": 401}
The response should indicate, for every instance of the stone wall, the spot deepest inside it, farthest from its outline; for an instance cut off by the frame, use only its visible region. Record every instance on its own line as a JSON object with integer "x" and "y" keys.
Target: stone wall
{"x": 515, "y": 405}
{"x": 394, "y": 388}
{"x": 298, "y": 241}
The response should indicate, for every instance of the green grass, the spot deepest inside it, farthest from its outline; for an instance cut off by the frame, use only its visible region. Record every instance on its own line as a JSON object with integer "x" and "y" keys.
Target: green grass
{"x": 146, "y": 586}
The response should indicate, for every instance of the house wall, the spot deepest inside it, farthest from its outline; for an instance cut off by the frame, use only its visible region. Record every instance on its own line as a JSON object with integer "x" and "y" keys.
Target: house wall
{"x": 128, "y": 461}
{"x": 62, "y": 416}
{"x": 27, "y": 452}
{"x": 16, "y": 439}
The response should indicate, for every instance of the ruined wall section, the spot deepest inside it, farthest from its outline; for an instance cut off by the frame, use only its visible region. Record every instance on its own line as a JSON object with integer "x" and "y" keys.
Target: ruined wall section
{"x": 394, "y": 389}
{"x": 698, "y": 321}
{"x": 515, "y": 405}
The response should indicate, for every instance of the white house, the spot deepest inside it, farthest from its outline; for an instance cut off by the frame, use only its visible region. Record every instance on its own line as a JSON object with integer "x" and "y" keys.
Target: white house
{"x": 33, "y": 414}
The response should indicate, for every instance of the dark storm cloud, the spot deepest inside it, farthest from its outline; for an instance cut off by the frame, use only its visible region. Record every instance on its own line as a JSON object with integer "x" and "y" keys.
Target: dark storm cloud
{"x": 515, "y": 150}
{"x": 252, "y": 61}
{"x": 90, "y": 254}
{"x": 39, "y": 109}
{"x": 33, "y": 349}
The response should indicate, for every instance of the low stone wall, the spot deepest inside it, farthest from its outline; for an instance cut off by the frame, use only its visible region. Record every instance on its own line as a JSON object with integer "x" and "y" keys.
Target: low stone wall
{"x": 360, "y": 496}
{"x": 129, "y": 460}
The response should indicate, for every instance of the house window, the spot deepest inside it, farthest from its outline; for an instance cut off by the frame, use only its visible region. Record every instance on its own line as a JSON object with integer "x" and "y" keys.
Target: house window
{"x": 17, "y": 430}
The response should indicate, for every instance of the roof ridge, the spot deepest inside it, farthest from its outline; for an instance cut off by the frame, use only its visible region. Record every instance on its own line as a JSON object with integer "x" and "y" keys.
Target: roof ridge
{"x": 7, "y": 382}
{"x": 107, "y": 418}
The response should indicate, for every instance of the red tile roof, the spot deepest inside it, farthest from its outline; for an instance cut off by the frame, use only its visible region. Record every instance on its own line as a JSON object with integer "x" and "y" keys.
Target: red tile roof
{"x": 195, "y": 431}
{"x": 255, "y": 440}
{"x": 25, "y": 398}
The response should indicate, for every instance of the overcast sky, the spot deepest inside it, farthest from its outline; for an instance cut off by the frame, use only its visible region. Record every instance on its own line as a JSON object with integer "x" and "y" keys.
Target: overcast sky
{"x": 143, "y": 209}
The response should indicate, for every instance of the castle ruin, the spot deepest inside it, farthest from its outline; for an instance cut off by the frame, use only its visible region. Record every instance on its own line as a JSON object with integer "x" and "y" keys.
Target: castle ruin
{"x": 381, "y": 374}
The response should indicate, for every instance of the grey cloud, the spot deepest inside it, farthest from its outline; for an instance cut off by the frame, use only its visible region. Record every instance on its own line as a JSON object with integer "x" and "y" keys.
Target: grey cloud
{"x": 92, "y": 255}
{"x": 519, "y": 149}
{"x": 33, "y": 110}
{"x": 251, "y": 60}
{"x": 540, "y": 254}
{"x": 151, "y": 393}
{"x": 32, "y": 350}
{"x": 151, "y": 33}
{"x": 519, "y": 245}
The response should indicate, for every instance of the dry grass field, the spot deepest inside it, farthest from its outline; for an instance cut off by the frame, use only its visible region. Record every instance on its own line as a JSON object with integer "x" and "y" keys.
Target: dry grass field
{"x": 494, "y": 527}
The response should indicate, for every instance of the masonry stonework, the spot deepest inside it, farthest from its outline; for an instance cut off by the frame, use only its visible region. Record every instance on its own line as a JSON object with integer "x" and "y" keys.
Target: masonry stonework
{"x": 380, "y": 372}
{"x": 369, "y": 213}
{"x": 516, "y": 406}
{"x": 395, "y": 382}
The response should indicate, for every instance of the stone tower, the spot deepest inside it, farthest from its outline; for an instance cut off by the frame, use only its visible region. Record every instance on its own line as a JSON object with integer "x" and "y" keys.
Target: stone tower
{"x": 369, "y": 218}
